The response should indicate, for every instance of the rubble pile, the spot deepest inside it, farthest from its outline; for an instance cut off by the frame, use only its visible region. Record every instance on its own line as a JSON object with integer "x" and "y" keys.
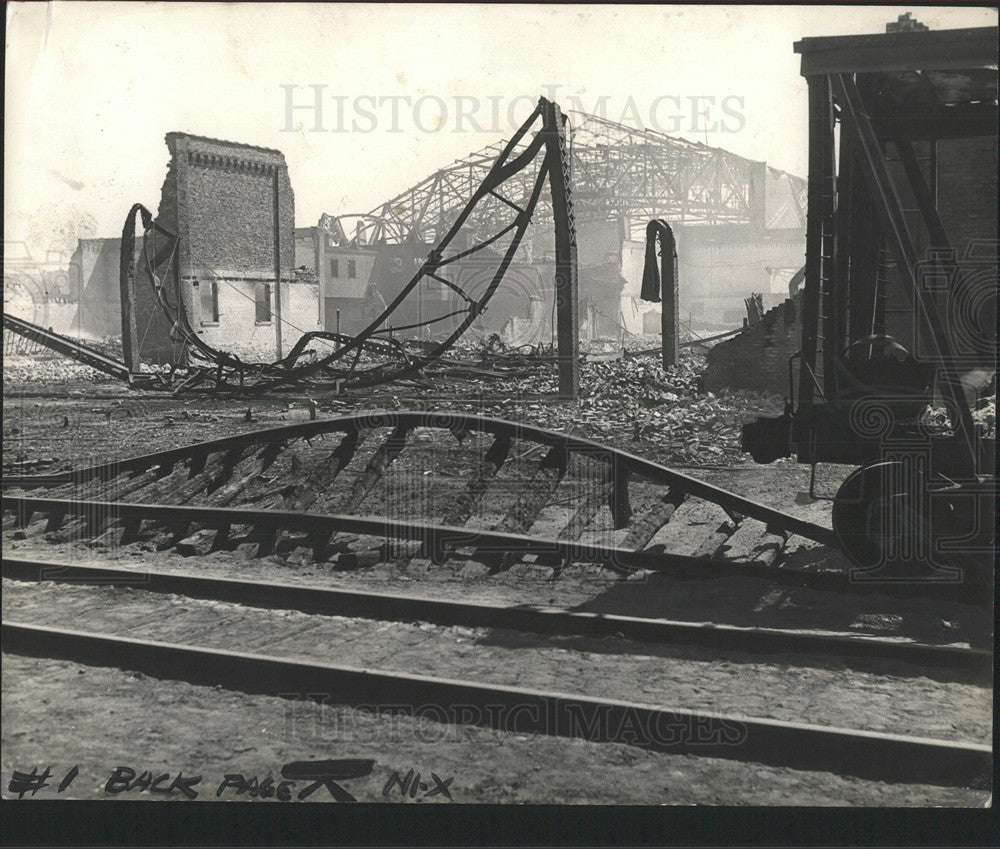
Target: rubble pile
{"x": 985, "y": 417}
{"x": 632, "y": 404}
{"x": 29, "y": 369}
{"x": 935, "y": 420}
{"x": 110, "y": 347}
{"x": 629, "y": 402}
{"x": 644, "y": 379}
{"x": 666, "y": 414}
{"x": 48, "y": 366}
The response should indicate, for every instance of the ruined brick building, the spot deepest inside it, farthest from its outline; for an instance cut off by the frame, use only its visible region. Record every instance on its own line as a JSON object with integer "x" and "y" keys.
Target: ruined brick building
{"x": 232, "y": 205}
{"x": 758, "y": 357}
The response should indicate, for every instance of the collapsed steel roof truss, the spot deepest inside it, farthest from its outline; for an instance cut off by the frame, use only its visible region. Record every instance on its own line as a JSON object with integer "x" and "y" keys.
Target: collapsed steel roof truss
{"x": 618, "y": 172}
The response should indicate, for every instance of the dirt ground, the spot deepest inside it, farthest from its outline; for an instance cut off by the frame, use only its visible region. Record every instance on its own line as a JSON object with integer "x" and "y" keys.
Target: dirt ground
{"x": 648, "y": 674}
{"x": 98, "y": 729}
{"x": 60, "y": 714}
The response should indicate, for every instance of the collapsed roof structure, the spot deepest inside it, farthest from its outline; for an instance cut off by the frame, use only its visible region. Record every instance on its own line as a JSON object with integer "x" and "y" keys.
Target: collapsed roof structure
{"x": 619, "y": 172}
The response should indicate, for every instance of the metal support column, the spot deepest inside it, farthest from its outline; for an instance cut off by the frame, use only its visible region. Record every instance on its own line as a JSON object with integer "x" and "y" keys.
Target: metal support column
{"x": 126, "y": 280}
{"x": 566, "y": 286}
{"x": 669, "y": 326}
{"x": 319, "y": 251}
{"x": 277, "y": 269}
{"x": 835, "y": 304}
{"x": 818, "y": 226}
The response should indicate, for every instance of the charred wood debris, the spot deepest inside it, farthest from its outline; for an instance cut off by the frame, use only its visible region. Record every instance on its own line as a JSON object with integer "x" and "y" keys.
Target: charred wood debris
{"x": 626, "y": 398}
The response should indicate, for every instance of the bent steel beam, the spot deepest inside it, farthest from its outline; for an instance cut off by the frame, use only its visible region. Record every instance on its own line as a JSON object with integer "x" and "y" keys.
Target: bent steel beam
{"x": 355, "y": 361}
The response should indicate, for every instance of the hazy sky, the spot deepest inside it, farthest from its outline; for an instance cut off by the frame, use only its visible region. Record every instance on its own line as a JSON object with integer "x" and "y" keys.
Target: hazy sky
{"x": 92, "y": 88}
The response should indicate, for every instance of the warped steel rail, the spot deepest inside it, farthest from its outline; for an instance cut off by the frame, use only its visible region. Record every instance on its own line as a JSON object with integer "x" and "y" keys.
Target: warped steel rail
{"x": 537, "y": 152}
{"x": 328, "y": 601}
{"x": 624, "y": 464}
{"x": 870, "y": 755}
{"x": 266, "y": 486}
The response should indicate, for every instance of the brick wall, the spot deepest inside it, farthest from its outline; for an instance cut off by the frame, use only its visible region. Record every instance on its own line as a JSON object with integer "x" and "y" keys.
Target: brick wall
{"x": 305, "y": 248}
{"x": 300, "y": 301}
{"x": 758, "y": 357}
{"x": 219, "y": 198}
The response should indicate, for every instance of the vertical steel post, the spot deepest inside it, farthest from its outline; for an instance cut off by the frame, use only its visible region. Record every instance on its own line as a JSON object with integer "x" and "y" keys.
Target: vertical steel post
{"x": 818, "y": 216}
{"x": 130, "y": 332}
{"x": 835, "y": 304}
{"x": 863, "y": 274}
{"x": 669, "y": 326}
{"x": 566, "y": 285}
{"x": 126, "y": 285}
{"x": 277, "y": 268}
{"x": 319, "y": 249}
{"x": 182, "y": 357}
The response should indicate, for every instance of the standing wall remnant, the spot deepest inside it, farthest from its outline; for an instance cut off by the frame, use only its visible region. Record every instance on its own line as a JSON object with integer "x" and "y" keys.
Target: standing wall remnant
{"x": 220, "y": 198}
{"x": 757, "y": 358}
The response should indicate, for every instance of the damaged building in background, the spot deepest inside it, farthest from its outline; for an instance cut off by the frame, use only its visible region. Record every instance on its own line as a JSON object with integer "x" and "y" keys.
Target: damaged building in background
{"x": 38, "y": 290}
{"x": 739, "y": 226}
{"x": 233, "y": 207}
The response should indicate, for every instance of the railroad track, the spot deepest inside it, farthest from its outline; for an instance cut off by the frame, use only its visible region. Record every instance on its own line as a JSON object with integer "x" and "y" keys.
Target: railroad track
{"x": 441, "y": 488}
{"x": 115, "y": 632}
{"x": 426, "y": 492}
{"x": 938, "y": 660}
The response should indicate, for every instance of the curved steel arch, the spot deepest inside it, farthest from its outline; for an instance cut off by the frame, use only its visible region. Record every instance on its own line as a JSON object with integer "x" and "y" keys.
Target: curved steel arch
{"x": 385, "y": 359}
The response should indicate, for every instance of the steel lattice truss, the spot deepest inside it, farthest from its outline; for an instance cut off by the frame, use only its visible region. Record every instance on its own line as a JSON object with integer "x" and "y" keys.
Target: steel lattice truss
{"x": 536, "y": 155}
{"x": 618, "y": 172}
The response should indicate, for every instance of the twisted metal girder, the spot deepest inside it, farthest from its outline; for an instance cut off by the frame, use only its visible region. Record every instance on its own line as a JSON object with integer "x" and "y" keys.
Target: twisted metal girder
{"x": 366, "y": 359}
{"x": 618, "y": 172}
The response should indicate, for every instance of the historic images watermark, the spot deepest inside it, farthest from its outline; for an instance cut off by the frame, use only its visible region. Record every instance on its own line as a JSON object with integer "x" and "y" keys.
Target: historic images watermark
{"x": 316, "y": 108}
{"x": 431, "y": 724}
{"x": 920, "y": 525}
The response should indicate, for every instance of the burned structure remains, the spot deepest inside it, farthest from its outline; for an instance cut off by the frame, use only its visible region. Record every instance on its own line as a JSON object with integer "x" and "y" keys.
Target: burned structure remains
{"x": 423, "y": 459}
{"x": 373, "y": 355}
{"x": 254, "y": 286}
{"x": 234, "y": 204}
{"x": 740, "y": 226}
{"x": 232, "y": 207}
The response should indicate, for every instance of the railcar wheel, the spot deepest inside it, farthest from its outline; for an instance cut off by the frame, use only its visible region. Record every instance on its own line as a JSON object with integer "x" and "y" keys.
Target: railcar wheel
{"x": 881, "y": 520}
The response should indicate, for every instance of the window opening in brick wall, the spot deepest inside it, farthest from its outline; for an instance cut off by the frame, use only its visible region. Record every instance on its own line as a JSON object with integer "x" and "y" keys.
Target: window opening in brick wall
{"x": 208, "y": 294}
{"x": 334, "y": 268}
{"x": 352, "y": 269}
{"x": 262, "y": 301}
